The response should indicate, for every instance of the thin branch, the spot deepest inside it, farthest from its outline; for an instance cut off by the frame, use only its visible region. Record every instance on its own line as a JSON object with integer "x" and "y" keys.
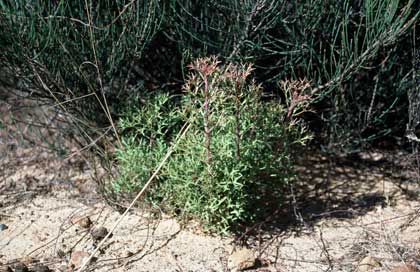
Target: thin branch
{"x": 180, "y": 135}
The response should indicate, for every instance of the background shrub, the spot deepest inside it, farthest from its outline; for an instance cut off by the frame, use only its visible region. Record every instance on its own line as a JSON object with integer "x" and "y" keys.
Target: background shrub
{"x": 356, "y": 54}
{"x": 77, "y": 55}
{"x": 93, "y": 56}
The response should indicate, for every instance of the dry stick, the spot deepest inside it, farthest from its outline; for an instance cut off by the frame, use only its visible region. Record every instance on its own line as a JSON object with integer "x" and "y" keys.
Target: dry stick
{"x": 60, "y": 104}
{"x": 90, "y": 24}
{"x": 71, "y": 100}
{"x": 92, "y": 143}
{"x": 182, "y": 132}
{"x": 325, "y": 251}
{"x": 207, "y": 131}
{"x": 96, "y": 64}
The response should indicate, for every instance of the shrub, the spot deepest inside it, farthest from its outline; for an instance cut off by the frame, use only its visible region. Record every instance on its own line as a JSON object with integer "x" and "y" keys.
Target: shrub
{"x": 353, "y": 52}
{"x": 87, "y": 56}
{"x": 77, "y": 55}
{"x": 235, "y": 155}
{"x": 147, "y": 131}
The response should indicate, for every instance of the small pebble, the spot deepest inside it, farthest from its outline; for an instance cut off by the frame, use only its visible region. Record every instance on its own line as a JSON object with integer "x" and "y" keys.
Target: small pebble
{"x": 84, "y": 222}
{"x": 78, "y": 258}
{"x": 61, "y": 253}
{"x": 40, "y": 268}
{"x": 368, "y": 264}
{"x": 3, "y": 227}
{"x": 28, "y": 260}
{"x": 20, "y": 267}
{"x": 405, "y": 268}
{"x": 99, "y": 234}
{"x": 241, "y": 259}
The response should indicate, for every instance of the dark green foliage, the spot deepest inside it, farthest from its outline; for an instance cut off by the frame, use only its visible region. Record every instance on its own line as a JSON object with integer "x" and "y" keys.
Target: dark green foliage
{"x": 109, "y": 50}
{"x": 77, "y": 52}
{"x": 341, "y": 46}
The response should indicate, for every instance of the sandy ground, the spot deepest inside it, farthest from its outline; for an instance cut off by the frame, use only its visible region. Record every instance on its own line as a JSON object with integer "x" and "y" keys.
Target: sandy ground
{"x": 356, "y": 213}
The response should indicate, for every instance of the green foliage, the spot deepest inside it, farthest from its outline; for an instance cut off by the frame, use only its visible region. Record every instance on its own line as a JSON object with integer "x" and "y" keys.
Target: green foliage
{"x": 363, "y": 94}
{"x": 91, "y": 57}
{"x": 77, "y": 54}
{"x": 353, "y": 52}
{"x": 236, "y": 152}
{"x": 148, "y": 131}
